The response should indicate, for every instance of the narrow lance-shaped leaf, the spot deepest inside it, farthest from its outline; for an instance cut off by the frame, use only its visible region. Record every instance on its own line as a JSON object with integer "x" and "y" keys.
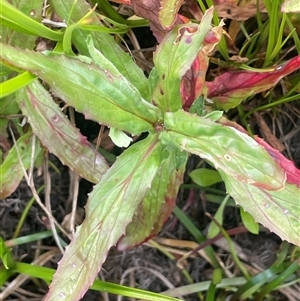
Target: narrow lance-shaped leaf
{"x": 230, "y": 88}
{"x": 31, "y": 10}
{"x": 100, "y": 60}
{"x": 58, "y": 134}
{"x": 292, "y": 172}
{"x": 237, "y": 154}
{"x": 103, "y": 42}
{"x": 11, "y": 169}
{"x": 18, "y": 19}
{"x": 193, "y": 85}
{"x": 109, "y": 210}
{"x": 174, "y": 56}
{"x": 277, "y": 210}
{"x": 101, "y": 94}
{"x": 193, "y": 82}
{"x": 157, "y": 205}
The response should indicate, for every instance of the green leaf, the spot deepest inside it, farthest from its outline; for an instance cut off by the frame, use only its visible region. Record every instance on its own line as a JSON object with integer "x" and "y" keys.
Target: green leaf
{"x": 157, "y": 205}
{"x": 174, "y": 57}
{"x": 10, "y": 170}
{"x": 214, "y": 229}
{"x": 14, "y": 84}
{"x": 249, "y": 222}
{"x": 198, "y": 106}
{"x": 277, "y": 210}
{"x": 214, "y": 115}
{"x": 228, "y": 149}
{"x": 18, "y": 19}
{"x": 58, "y": 134}
{"x": 119, "y": 138}
{"x": 6, "y": 255}
{"x": 4, "y": 71}
{"x": 290, "y": 6}
{"x": 103, "y": 42}
{"x": 103, "y": 62}
{"x": 254, "y": 284}
{"x": 7, "y": 107}
{"x": 109, "y": 210}
{"x": 205, "y": 177}
{"x": 168, "y": 12}
{"x": 153, "y": 80}
{"x": 46, "y": 274}
{"x": 19, "y": 11}
{"x": 100, "y": 93}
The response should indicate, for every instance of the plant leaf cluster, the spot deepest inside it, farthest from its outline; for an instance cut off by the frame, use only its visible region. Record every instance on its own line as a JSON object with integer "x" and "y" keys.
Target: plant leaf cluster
{"x": 132, "y": 199}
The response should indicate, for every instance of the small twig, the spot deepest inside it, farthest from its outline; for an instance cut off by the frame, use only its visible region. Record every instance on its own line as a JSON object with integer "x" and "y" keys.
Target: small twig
{"x": 136, "y": 44}
{"x": 11, "y": 116}
{"x": 45, "y": 6}
{"x": 74, "y": 193}
{"x": 54, "y": 24}
{"x": 74, "y": 185}
{"x": 48, "y": 203}
{"x": 210, "y": 241}
{"x": 32, "y": 187}
{"x": 30, "y": 174}
{"x": 99, "y": 138}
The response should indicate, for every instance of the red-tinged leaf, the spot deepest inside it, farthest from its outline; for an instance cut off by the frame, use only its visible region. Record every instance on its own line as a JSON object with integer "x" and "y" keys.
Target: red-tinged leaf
{"x": 150, "y": 11}
{"x": 109, "y": 210}
{"x": 157, "y": 205}
{"x": 193, "y": 82}
{"x": 231, "y": 88}
{"x": 277, "y": 210}
{"x": 176, "y": 180}
{"x": 58, "y": 134}
{"x": 228, "y": 149}
{"x": 212, "y": 38}
{"x": 168, "y": 12}
{"x": 174, "y": 57}
{"x": 292, "y": 172}
{"x": 126, "y": 2}
{"x": 11, "y": 170}
{"x": 101, "y": 93}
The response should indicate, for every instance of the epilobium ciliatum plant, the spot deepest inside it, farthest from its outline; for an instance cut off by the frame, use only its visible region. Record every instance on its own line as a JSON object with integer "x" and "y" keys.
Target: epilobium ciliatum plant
{"x": 132, "y": 199}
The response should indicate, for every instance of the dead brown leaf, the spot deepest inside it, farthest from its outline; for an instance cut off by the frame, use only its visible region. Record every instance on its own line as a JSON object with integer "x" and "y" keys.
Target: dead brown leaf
{"x": 267, "y": 134}
{"x": 229, "y": 10}
{"x": 238, "y": 59}
{"x": 4, "y": 145}
{"x": 149, "y": 10}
